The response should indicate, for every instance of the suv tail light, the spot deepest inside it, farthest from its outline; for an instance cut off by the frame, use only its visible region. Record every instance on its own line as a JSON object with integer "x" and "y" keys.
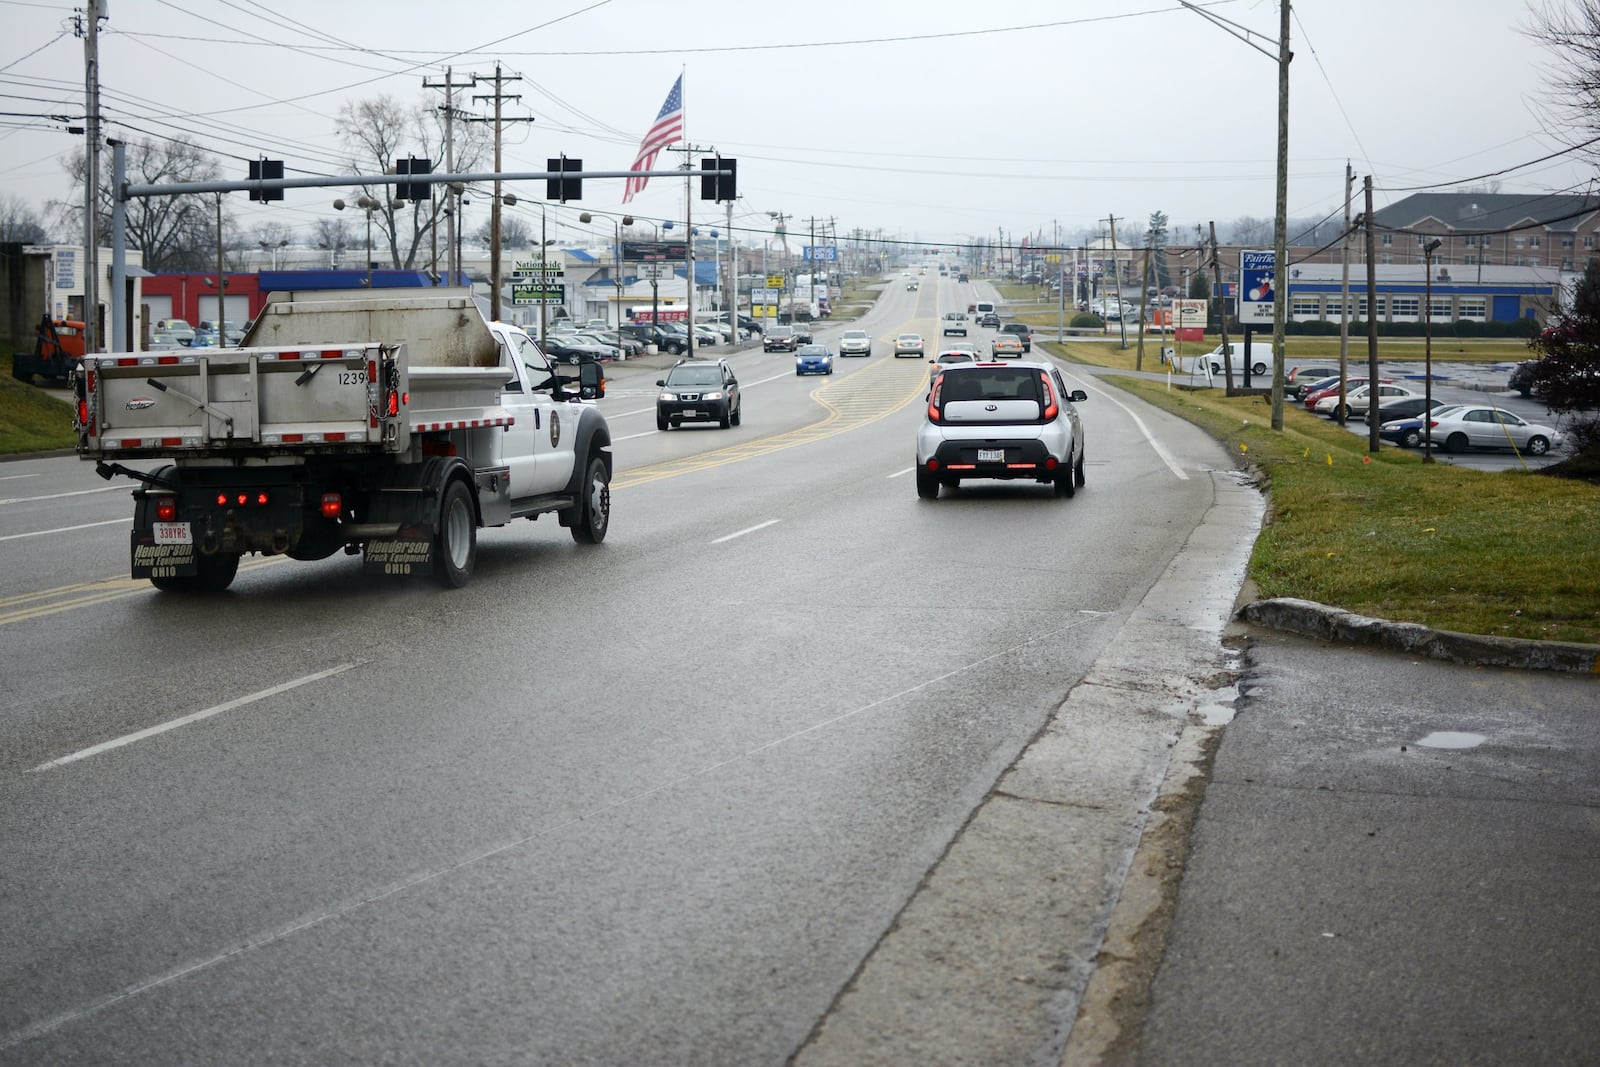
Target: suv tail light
{"x": 1052, "y": 405}
{"x": 933, "y": 400}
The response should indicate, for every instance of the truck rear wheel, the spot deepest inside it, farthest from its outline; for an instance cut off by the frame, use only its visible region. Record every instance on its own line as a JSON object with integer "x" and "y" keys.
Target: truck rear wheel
{"x": 594, "y": 506}
{"x": 216, "y": 572}
{"x": 455, "y": 546}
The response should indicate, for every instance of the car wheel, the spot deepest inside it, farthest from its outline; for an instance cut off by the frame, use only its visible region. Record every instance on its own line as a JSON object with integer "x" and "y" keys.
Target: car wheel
{"x": 1412, "y": 439}
{"x": 1538, "y": 446}
{"x": 738, "y": 414}
{"x": 455, "y": 546}
{"x": 726, "y": 420}
{"x": 661, "y": 422}
{"x": 927, "y": 484}
{"x": 1525, "y": 390}
{"x": 1066, "y": 483}
{"x": 594, "y": 510}
{"x": 1456, "y": 442}
{"x": 1077, "y": 470}
{"x": 1216, "y": 368}
{"x": 1258, "y": 369}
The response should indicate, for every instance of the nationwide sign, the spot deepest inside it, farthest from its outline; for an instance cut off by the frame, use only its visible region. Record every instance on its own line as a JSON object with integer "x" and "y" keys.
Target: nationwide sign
{"x": 1258, "y": 287}
{"x": 534, "y": 293}
{"x": 525, "y": 269}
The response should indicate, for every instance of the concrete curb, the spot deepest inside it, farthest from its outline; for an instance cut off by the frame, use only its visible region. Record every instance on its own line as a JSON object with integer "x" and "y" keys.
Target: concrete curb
{"x": 1310, "y": 619}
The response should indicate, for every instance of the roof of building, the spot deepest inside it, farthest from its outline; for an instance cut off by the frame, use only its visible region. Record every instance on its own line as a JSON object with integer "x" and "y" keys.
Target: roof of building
{"x": 1490, "y": 212}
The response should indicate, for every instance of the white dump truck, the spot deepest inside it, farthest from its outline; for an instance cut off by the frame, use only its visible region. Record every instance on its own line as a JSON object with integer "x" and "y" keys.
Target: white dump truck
{"x": 391, "y": 425}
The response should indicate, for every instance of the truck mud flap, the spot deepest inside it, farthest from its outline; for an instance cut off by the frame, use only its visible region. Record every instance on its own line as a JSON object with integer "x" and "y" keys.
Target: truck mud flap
{"x": 152, "y": 560}
{"x": 409, "y": 552}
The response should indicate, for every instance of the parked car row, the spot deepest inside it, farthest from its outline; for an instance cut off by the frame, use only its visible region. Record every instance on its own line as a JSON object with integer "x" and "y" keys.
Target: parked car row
{"x": 1463, "y": 427}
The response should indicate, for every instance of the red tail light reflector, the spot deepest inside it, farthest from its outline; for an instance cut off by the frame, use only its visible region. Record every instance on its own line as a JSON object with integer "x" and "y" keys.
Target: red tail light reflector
{"x": 394, "y": 404}
{"x": 83, "y": 413}
{"x": 1051, "y": 407}
{"x": 332, "y": 505}
{"x": 165, "y": 361}
{"x": 222, "y": 500}
{"x": 166, "y": 509}
{"x": 261, "y": 500}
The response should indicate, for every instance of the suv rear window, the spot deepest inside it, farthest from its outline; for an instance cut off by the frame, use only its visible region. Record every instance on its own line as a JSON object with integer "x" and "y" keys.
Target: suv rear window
{"x": 991, "y": 383}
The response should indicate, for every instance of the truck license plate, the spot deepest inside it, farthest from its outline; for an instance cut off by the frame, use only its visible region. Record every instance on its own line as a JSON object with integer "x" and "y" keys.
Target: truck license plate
{"x": 173, "y": 533}
{"x": 991, "y": 455}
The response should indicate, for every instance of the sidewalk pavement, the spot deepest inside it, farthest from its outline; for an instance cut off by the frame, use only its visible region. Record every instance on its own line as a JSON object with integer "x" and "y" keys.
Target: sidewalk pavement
{"x": 1395, "y": 859}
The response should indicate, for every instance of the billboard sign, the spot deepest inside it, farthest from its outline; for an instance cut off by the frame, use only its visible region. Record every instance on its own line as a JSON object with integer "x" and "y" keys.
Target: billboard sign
{"x": 1258, "y": 287}
{"x": 822, "y": 253}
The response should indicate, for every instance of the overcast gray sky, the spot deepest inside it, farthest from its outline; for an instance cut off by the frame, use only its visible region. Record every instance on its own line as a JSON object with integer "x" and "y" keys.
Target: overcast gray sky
{"x": 928, "y": 119}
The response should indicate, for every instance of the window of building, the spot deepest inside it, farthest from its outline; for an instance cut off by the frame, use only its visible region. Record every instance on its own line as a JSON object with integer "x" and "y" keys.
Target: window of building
{"x": 1472, "y": 240}
{"x": 1439, "y": 308}
{"x": 1566, "y": 263}
{"x": 1588, "y": 240}
{"x": 1401, "y": 307}
{"x": 1536, "y": 241}
{"x": 1488, "y": 241}
{"x": 1519, "y": 241}
{"x": 1308, "y": 308}
{"x": 1386, "y": 239}
{"x": 1361, "y": 309}
{"x": 1470, "y": 260}
{"x": 1517, "y": 261}
{"x": 1472, "y": 307}
{"x": 1386, "y": 258}
{"x": 1566, "y": 240}
{"x": 1534, "y": 261}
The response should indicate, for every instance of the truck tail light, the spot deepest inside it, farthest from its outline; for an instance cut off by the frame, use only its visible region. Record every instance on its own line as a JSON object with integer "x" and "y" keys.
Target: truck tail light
{"x": 166, "y": 509}
{"x": 332, "y": 505}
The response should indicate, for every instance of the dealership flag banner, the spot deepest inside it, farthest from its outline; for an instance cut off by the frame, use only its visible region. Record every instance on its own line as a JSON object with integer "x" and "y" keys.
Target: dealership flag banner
{"x": 668, "y": 128}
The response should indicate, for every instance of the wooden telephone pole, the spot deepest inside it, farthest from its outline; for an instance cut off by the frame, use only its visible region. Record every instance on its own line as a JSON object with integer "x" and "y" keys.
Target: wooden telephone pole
{"x": 499, "y": 97}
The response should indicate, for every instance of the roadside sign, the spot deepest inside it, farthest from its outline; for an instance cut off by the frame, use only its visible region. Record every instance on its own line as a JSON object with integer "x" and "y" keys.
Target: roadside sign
{"x": 655, "y": 271}
{"x": 535, "y": 269}
{"x": 774, "y": 281}
{"x": 1258, "y": 286}
{"x": 821, "y": 253}
{"x": 531, "y": 294}
{"x": 763, "y": 296}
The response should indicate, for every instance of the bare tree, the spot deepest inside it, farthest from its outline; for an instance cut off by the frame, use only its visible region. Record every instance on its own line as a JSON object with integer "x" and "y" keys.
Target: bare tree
{"x": 172, "y": 233}
{"x": 1249, "y": 230}
{"x": 333, "y": 236}
{"x": 20, "y": 222}
{"x": 377, "y": 132}
{"x": 1570, "y": 31}
{"x": 514, "y": 232}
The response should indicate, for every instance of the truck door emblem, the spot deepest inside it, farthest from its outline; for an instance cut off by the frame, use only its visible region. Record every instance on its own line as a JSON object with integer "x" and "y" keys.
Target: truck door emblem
{"x": 139, "y": 403}
{"x": 555, "y": 429}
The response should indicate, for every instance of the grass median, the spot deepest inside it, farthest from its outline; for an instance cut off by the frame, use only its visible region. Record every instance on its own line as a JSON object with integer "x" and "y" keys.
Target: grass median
{"x": 1508, "y": 553}
{"x": 31, "y": 418}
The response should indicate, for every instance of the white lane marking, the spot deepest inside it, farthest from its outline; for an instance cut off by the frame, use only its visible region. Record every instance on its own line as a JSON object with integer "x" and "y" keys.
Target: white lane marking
{"x": 58, "y": 496}
{"x": 1160, "y": 449}
{"x": 14, "y": 477}
{"x": 218, "y": 709}
{"x": 897, "y": 474}
{"x": 421, "y": 878}
{"x": 65, "y": 529}
{"x": 748, "y": 530}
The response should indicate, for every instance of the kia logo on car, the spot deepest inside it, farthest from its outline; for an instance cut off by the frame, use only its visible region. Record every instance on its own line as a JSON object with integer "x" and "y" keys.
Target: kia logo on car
{"x": 139, "y": 403}
{"x": 991, "y": 407}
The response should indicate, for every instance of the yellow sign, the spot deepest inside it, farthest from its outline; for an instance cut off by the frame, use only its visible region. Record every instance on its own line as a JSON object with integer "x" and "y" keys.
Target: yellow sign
{"x": 774, "y": 281}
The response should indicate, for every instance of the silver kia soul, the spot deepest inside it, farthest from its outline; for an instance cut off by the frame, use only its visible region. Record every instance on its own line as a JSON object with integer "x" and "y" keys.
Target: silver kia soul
{"x": 1000, "y": 420}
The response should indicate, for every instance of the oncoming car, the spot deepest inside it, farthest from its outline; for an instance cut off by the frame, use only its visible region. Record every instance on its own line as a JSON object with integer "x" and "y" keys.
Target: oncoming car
{"x": 699, "y": 390}
{"x": 1000, "y": 420}
{"x": 813, "y": 359}
{"x": 855, "y": 343}
{"x": 908, "y": 344}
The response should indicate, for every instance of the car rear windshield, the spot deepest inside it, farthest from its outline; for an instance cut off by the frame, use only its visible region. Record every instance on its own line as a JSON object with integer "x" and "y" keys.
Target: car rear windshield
{"x": 991, "y": 383}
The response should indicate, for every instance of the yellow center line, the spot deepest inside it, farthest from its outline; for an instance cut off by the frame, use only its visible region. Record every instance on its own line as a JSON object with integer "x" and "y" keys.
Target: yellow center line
{"x": 26, "y": 606}
{"x": 873, "y": 393}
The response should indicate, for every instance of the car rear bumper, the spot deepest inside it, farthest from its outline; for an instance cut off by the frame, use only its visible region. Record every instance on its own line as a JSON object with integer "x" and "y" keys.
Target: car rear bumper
{"x": 1005, "y": 459}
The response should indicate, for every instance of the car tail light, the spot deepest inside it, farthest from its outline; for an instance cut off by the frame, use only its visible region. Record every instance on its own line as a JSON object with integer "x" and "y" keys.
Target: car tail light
{"x": 1052, "y": 406}
{"x": 166, "y": 509}
{"x": 933, "y": 400}
{"x": 332, "y": 505}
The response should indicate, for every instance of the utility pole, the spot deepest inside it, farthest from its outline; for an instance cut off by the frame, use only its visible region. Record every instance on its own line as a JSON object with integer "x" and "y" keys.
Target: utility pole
{"x": 1144, "y": 298}
{"x": 88, "y": 27}
{"x": 1116, "y": 281}
{"x": 1344, "y": 291}
{"x": 452, "y": 249}
{"x": 1372, "y": 312}
{"x": 1222, "y": 310}
{"x": 1280, "y": 308}
{"x": 499, "y": 97}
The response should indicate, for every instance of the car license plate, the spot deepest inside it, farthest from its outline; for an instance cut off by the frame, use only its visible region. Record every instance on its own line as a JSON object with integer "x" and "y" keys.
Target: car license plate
{"x": 991, "y": 455}
{"x": 690, "y": 413}
{"x": 173, "y": 533}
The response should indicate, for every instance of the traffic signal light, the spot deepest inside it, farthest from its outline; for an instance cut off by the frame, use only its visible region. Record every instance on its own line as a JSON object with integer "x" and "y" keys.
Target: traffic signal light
{"x": 563, "y": 188}
{"x": 413, "y": 190}
{"x": 718, "y": 186}
{"x": 266, "y": 168}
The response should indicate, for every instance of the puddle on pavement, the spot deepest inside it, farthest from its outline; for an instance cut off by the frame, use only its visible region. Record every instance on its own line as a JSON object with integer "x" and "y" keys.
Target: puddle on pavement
{"x": 1218, "y": 709}
{"x": 1452, "y": 739}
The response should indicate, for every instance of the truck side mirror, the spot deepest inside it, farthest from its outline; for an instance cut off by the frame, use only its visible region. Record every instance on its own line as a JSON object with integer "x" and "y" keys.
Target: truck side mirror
{"x": 591, "y": 381}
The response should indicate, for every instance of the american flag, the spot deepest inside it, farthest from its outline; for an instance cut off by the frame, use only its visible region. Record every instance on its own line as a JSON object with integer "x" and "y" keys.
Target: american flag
{"x": 668, "y": 128}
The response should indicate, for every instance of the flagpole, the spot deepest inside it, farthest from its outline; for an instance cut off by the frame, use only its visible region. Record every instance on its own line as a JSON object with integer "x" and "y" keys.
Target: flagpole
{"x": 688, "y": 219}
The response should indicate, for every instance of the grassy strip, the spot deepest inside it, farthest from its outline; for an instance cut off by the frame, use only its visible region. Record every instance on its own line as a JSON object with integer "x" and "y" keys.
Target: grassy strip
{"x": 1510, "y": 554}
{"x": 31, "y": 420}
